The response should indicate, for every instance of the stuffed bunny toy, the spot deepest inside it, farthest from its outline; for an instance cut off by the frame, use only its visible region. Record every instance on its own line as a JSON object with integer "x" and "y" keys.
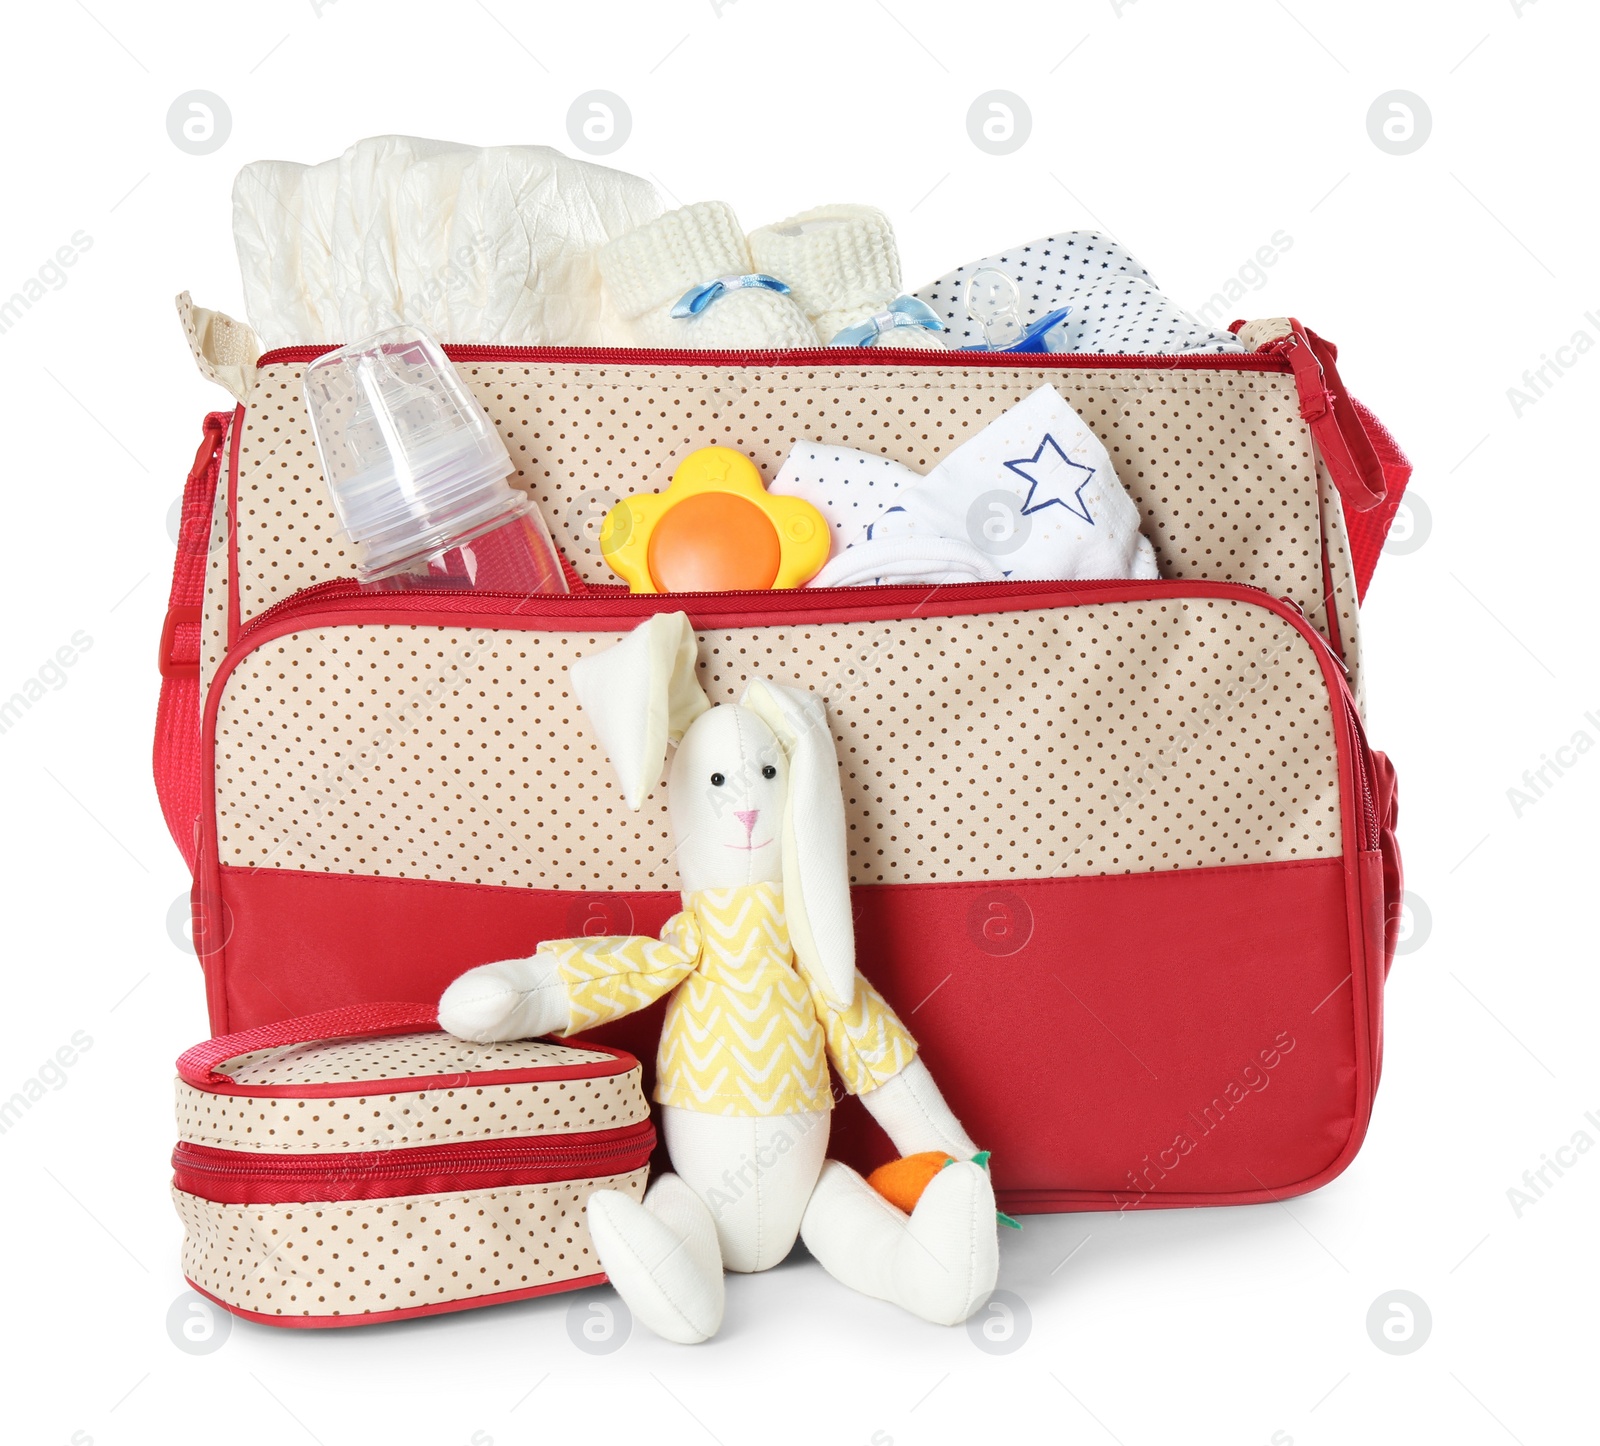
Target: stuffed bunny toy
{"x": 760, "y": 967}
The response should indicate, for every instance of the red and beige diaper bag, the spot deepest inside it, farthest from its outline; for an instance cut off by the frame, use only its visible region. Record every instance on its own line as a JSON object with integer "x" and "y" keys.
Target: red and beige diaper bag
{"x": 1121, "y": 854}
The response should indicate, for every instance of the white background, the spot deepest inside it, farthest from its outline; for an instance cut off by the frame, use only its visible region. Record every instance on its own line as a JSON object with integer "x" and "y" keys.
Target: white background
{"x": 1193, "y": 132}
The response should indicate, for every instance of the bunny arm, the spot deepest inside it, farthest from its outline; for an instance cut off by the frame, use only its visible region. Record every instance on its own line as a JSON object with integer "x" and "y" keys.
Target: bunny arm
{"x": 876, "y": 1058}
{"x": 511, "y": 999}
{"x": 569, "y": 985}
{"x": 865, "y": 1039}
{"x": 914, "y": 1114}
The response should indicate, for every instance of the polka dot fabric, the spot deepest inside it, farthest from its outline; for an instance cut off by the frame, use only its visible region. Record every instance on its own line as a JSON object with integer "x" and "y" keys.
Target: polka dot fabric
{"x": 1095, "y": 739}
{"x": 330, "y": 1125}
{"x": 1339, "y": 605}
{"x": 363, "y": 1257}
{"x": 1116, "y": 307}
{"x": 1219, "y": 462}
{"x": 848, "y": 488}
{"x": 398, "y": 1056}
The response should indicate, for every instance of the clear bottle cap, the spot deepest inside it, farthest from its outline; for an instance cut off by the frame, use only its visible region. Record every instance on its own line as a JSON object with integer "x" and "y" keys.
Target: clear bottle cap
{"x": 413, "y": 463}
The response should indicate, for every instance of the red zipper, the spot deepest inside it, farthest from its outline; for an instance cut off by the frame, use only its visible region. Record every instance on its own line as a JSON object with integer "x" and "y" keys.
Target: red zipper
{"x": 1362, "y": 751}
{"x": 1266, "y": 360}
{"x": 621, "y": 603}
{"x": 238, "y": 1178}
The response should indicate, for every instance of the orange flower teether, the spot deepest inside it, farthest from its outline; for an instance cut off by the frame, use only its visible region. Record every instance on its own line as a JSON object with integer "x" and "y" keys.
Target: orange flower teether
{"x": 716, "y": 528}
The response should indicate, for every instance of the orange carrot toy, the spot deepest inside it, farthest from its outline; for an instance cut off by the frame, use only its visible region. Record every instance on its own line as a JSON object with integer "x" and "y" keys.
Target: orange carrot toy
{"x": 901, "y": 1182}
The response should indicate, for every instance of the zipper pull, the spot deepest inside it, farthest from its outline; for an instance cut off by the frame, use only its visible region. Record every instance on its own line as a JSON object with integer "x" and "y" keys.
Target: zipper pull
{"x": 1310, "y": 380}
{"x": 1316, "y": 633}
{"x": 1336, "y": 427}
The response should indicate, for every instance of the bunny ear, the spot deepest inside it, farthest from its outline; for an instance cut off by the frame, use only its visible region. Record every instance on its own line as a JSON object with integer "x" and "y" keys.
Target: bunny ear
{"x": 816, "y": 862}
{"x": 640, "y": 694}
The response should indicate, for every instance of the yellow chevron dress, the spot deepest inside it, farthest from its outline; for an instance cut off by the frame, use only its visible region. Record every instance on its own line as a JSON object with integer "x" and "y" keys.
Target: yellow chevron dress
{"x": 747, "y": 1031}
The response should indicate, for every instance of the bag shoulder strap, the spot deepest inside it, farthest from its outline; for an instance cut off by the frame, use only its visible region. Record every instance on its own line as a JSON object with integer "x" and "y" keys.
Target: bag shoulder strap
{"x": 1363, "y": 459}
{"x": 177, "y": 743}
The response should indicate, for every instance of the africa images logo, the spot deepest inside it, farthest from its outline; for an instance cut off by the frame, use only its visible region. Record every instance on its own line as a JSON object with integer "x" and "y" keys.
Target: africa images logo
{"x": 1198, "y": 1126}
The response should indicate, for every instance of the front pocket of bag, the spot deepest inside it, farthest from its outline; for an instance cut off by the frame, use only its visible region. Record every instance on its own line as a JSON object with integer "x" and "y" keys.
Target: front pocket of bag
{"x": 1152, "y": 770}
{"x": 1093, "y": 728}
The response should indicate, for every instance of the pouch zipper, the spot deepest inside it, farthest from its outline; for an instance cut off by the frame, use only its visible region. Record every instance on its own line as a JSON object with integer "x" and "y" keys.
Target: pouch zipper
{"x": 234, "y": 1176}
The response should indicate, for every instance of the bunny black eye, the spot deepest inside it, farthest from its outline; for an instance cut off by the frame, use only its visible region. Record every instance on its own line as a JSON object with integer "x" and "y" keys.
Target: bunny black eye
{"x": 768, "y": 771}
{"x": 717, "y": 780}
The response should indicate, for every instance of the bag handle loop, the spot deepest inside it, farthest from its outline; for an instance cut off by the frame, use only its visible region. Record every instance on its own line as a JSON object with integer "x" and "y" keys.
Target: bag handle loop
{"x": 198, "y": 1066}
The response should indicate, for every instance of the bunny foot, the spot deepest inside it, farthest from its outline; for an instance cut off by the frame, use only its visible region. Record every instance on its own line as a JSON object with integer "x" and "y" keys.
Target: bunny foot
{"x": 662, "y": 1256}
{"x": 940, "y": 1262}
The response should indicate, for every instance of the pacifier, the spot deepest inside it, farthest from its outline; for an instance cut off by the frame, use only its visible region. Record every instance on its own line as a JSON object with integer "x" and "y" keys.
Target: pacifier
{"x": 993, "y": 301}
{"x": 715, "y": 528}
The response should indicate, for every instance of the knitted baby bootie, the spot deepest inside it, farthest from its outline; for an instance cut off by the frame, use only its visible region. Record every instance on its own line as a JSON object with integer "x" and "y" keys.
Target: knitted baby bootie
{"x": 843, "y": 269}
{"x": 685, "y": 280}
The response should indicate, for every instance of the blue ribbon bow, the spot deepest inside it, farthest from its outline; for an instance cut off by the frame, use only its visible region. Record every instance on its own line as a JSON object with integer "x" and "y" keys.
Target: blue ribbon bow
{"x": 902, "y": 311}
{"x": 697, "y": 298}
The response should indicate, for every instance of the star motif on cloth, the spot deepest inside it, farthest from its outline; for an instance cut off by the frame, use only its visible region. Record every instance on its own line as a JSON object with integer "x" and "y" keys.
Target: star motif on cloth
{"x": 1053, "y": 480}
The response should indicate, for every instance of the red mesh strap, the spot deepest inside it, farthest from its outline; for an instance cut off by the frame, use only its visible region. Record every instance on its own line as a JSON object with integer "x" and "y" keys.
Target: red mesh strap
{"x": 198, "y": 1066}
{"x": 177, "y": 745}
{"x": 1369, "y": 530}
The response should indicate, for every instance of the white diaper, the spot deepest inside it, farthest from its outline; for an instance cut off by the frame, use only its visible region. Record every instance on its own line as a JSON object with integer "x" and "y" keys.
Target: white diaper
{"x": 496, "y": 245}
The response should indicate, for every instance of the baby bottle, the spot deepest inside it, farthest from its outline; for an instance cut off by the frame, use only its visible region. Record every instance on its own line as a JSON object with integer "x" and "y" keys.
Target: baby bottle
{"x": 418, "y": 473}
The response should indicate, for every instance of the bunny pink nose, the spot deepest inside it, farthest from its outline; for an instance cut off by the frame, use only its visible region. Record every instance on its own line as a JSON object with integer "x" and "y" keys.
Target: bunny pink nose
{"x": 748, "y": 818}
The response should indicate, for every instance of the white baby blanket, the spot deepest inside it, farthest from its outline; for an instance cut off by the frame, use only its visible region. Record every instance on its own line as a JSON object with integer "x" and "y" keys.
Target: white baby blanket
{"x": 494, "y": 246}
{"x": 1116, "y": 307}
{"x": 932, "y": 560}
{"x": 1033, "y": 495}
{"x": 851, "y": 489}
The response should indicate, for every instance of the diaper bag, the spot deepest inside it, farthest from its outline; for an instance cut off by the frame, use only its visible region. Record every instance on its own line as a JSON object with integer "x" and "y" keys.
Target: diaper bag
{"x": 1122, "y": 856}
